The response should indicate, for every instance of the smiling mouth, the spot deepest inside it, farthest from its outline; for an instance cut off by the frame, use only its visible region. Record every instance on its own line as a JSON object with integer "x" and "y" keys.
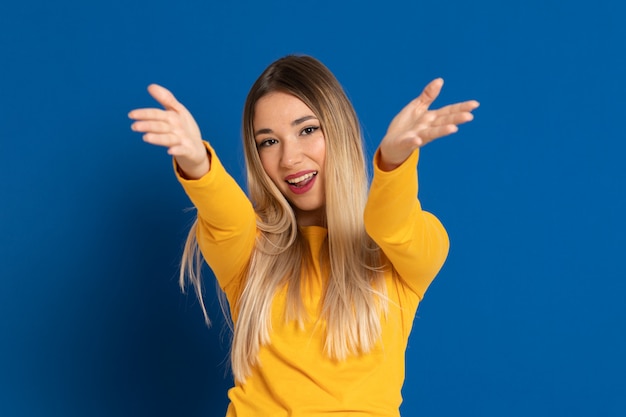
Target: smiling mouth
{"x": 302, "y": 180}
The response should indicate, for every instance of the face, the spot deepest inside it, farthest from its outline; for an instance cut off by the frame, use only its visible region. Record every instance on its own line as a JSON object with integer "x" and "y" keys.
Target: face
{"x": 292, "y": 149}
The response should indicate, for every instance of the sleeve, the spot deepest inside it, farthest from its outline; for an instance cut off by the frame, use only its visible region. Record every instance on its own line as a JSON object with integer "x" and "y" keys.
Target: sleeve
{"x": 226, "y": 221}
{"x": 414, "y": 241}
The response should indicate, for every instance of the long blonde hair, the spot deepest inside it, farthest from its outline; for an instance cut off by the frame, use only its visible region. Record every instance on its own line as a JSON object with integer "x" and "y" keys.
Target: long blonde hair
{"x": 354, "y": 298}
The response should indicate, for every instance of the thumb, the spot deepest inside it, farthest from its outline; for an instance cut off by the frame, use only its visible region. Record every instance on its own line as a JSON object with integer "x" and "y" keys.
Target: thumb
{"x": 165, "y": 98}
{"x": 430, "y": 92}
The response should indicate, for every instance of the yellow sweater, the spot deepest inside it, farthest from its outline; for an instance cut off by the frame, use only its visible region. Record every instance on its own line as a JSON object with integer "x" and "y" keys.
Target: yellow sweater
{"x": 295, "y": 378}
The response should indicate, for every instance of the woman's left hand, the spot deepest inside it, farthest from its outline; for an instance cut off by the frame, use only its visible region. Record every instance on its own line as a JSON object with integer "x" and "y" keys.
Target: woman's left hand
{"x": 416, "y": 126}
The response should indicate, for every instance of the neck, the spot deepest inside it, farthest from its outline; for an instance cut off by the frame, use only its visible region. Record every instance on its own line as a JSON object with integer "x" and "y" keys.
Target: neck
{"x": 310, "y": 218}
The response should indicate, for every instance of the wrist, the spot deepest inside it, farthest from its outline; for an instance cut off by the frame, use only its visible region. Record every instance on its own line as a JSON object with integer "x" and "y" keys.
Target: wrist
{"x": 194, "y": 171}
{"x": 384, "y": 164}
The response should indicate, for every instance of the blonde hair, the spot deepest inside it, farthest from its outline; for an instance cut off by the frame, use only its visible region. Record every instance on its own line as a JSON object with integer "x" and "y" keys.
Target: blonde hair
{"x": 354, "y": 298}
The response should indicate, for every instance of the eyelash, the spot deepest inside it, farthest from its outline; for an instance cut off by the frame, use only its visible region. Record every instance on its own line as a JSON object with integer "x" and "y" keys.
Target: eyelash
{"x": 309, "y": 130}
{"x": 267, "y": 142}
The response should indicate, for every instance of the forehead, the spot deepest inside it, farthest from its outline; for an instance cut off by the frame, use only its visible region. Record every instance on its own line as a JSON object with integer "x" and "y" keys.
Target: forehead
{"x": 279, "y": 108}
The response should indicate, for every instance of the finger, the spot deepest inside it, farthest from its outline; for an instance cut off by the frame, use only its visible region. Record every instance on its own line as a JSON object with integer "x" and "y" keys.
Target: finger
{"x": 177, "y": 150}
{"x": 433, "y": 133}
{"x": 161, "y": 139}
{"x": 148, "y": 114}
{"x": 465, "y": 106}
{"x": 151, "y": 126}
{"x": 453, "y": 119}
{"x": 165, "y": 98}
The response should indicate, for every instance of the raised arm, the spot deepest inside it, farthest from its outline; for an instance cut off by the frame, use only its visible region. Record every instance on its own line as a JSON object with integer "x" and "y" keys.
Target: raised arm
{"x": 175, "y": 128}
{"x": 414, "y": 241}
{"x": 226, "y": 221}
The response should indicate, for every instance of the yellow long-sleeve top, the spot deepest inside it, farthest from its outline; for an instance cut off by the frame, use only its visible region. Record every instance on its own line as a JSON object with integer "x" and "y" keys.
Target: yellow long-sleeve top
{"x": 295, "y": 378}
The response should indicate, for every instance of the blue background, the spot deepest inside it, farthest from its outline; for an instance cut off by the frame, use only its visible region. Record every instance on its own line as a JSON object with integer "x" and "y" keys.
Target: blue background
{"x": 527, "y": 317}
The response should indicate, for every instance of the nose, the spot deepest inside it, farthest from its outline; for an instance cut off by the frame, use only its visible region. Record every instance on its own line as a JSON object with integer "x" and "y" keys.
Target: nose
{"x": 291, "y": 153}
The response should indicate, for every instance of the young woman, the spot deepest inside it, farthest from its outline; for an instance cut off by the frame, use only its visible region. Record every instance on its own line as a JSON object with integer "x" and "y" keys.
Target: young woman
{"x": 323, "y": 277}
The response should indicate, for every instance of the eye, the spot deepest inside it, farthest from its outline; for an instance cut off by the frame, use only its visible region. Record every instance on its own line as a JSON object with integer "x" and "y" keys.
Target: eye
{"x": 266, "y": 143}
{"x": 309, "y": 130}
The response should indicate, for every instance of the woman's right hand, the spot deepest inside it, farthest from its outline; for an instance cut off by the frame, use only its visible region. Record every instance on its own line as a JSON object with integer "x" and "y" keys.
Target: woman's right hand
{"x": 173, "y": 127}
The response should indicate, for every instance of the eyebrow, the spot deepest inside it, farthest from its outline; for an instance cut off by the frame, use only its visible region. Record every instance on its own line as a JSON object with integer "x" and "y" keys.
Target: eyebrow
{"x": 294, "y": 123}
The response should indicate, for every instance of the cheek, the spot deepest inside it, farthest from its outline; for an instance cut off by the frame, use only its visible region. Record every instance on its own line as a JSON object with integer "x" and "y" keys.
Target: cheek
{"x": 269, "y": 165}
{"x": 320, "y": 151}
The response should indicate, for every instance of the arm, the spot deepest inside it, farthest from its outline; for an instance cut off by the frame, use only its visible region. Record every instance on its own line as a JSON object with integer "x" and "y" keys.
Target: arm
{"x": 226, "y": 220}
{"x": 413, "y": 240}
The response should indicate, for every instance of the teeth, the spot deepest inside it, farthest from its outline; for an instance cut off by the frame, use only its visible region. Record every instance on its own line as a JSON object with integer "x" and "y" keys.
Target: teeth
{"x": 302, "y": 178}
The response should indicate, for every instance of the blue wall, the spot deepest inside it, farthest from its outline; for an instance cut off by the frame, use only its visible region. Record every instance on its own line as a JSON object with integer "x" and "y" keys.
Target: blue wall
{"x": 527, "y": 316}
